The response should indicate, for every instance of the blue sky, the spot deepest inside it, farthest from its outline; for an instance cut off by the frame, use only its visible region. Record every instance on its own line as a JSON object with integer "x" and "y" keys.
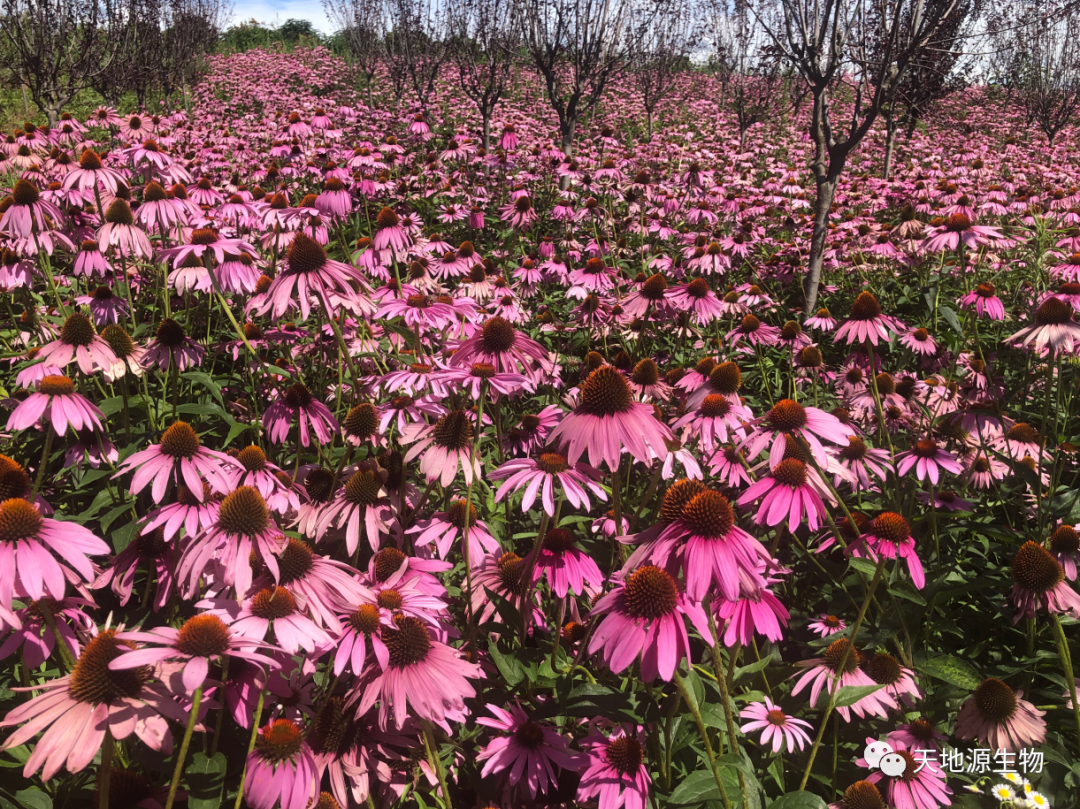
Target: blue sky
{"x": 275, "y": 12}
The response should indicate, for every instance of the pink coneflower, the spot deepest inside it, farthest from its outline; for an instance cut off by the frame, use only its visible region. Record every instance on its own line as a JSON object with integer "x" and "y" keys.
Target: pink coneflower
{"x": 243, "y": 526}
{"x": 863, "y": 462}
{"x": 1039, "y": 581}
{"x": 606, "y": 420}
{"x": 754, "y": 332}
{"x": 984, "y": 300}
{"x": 445, "y": 528}
{"x": 520, "y": 213}
{"x": 958, "y": 228}
{"x": 444, "y": 446}
{"x": 508, "y": 350}
{"x": 532, "y": 431}
{"x": 55, "y": 403}
{"x": 539, "y": 476}
{"x": 159, "y": 211}
{"x": 827, "y": 625}
{"x": 1000, "y": 718}
{"x": 307, "y": 276}
{"x": 92, "y": 174}
{"x": 919, "y": 734}
{"x": 788, "y": 417}
{"x": 180, "y": 458}
{"x": 867, "y": 323}
{"x": 822, "y": 674}
{"x": 297, "y": 404}
{"x": 1053, "y": 329}
{"x": 272, "y": 609}
{"x": 530, "y": 751}
{"x": 821, "y": 320}
{"x": 778, "y": 727}
{"x": 899, "y": 682}
{"x": 281, "y": 769}
{"x": 28, "y": 213}
{"x": 420, "y": 672}
{"x": 389, "y": 234}
{"x": 39, "y": 555}
{"x": 119, "y": 231}
{"x": 200, "y": 640}
{"x": 697, "y": 298}
{"x": 920, "y": 786}
{"x": 791, "y": 490}
{"x": 889, "y": 535}
{"x": 361, "y": 504}
{"x": 714, "y": 422}
{"x": 91, "y": 262}
{"x": 919, "y": 342}
{"x": 78, "y": 342}
{"x": 503, "y": 575}
{"x": 105, "y": 307}
{"x": 1065, "y": 548}
{"x": 172, "y": 348}
{"x": 929, "y": 461}
{"x": 614, "y": 770}
{"x": 567, "y": 569}
{"x": 75, "y": 712}
{"x": 643, "y": 619}
{"x": 328, "y": 586}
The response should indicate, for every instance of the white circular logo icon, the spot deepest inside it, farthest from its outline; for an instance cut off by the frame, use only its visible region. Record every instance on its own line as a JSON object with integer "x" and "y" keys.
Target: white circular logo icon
{"x": 874, "y": 751}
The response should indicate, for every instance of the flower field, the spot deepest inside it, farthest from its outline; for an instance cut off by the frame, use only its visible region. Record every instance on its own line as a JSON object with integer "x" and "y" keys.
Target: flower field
{"x": 350, "y": 464}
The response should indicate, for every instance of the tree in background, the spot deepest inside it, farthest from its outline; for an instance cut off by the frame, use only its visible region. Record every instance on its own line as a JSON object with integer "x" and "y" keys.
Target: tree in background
{"x": 483, "y": 34}
{"x": 660, "y": 38}
{"x": 58, "y": 47}
{"x": 362, "y": 25}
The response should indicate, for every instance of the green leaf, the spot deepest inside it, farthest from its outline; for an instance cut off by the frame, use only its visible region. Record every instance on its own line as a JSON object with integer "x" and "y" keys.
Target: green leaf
{"x": 952, "y": 319}
{"x": 864, "y": 566}
{"x": 907, "y": 591}
{"x": 33, "y": 799}
{"x": 697, "y": 787}
{"x": 952, "y": 670}
{"x": 798, "y": 800}
{"x": 695, "y": 688}
{"x": 752, "y": 668}
{"x": 850, "y": 694}
{"x": 207, "y": 382}
{"x": 206, "y": 778}
{"x": 509, "y": 667}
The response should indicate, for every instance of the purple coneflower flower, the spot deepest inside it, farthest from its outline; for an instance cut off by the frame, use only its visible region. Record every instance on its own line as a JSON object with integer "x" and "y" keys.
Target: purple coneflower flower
{"x": 179, "y": 458}
{"x": 867, "y": 323}
{"x": 73, "y": 713}
{"x": 79, "y": 342}
{"x": 539, "y": 476}
{"x": 1000, "y": 718}
{"x": 297, "y": 404}
{"x": 172, "y": 348}
{"x": 1039, "y": 581}
{"x": 201, "y": 639}
{"x": 823, "y": 674}
{"x": 281, "y": 769}
{"x": 361, "y": 503}
{"x": 788, "y": 417}
{"x": 920, "y": 786}
{"x": 1065, "y": 547}
{"x": 984, "y": 300}
{"x": 607, "y": 419}
{"x": 444, "y": 446}
{"x": 421, "y": 672}
{"x": 792, "y": 491}
{"x": 778, "y": 727}
{"x": 889, "y": 535}
{"x": 445, "y": 527}
{"x": 929, "y": 461}
{"x": 567, "y": 569}
{"x": 899, "y": 682}
{"x": 272, "y": 609}
{"x": 643, "y": 619}
{"x": 55, "y": 403}
{"x": 500, "y": 345}
{"x": 28, "y": 213}
{"x": 529, "y": 750}
{"x": 614, "y": 771}
{"x": 1054, "y": 328}
{"x": 827, "y": 625}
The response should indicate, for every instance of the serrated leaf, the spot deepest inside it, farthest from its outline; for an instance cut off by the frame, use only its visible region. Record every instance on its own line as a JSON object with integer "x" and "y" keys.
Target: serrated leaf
{"x": 798, "y": 800}
{"x": 850, "y": 694}
{"x": 206, "y": 779}
{"x": 952, "y": 670}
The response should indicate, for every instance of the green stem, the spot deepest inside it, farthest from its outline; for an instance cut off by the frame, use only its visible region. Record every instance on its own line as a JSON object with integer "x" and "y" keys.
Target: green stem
{"x": 704, "y": 733}
{"x": 49, "y": 435}
{"x": 1066, "y": 668}
{"x": 105, "y": 771}
{"x": 725, "y": 698}
{"x": 435, "y": 762}
{"x": 181, "y": 755}
{"x": 251, "y": 746}
{"x": 840, "y": 668}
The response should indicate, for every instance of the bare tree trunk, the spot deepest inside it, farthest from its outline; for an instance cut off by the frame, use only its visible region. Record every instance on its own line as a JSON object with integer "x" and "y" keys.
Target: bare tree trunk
{"x": 25, "y": 102}
{"x": 648, "y": 121}
{"x": 890, "y": 144}
{"x": 826, "y": 191}
{"x": 487, "y": 130}
{"x": 567, "y": 149}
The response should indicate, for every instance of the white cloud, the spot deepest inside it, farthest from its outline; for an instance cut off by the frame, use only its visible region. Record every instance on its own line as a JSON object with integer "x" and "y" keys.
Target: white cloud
{"x": 275, "y": 12}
